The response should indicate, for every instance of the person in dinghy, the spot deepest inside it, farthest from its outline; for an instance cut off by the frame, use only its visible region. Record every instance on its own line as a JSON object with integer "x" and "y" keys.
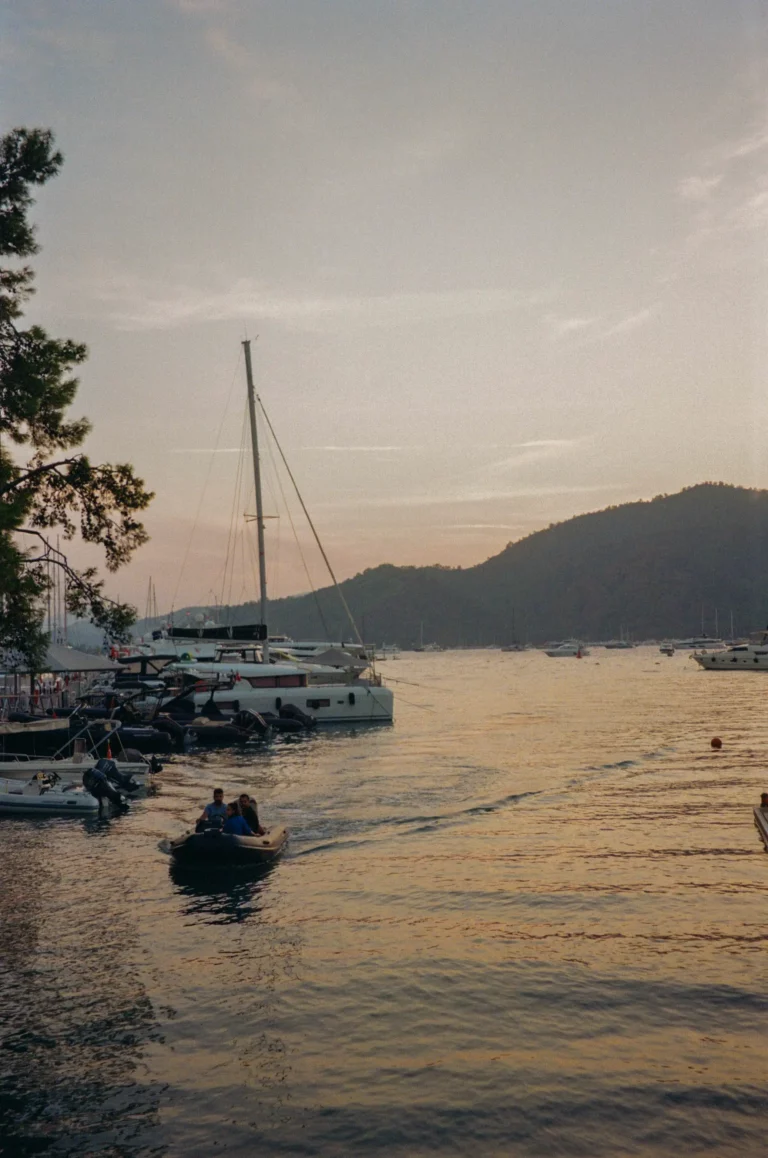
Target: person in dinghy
{"x": 235, "y": 824}
{"x": 250, "y": 813}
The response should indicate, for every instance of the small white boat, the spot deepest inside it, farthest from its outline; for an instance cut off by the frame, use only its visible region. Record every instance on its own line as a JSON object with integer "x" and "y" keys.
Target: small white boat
{"x": 41, "y": 797}
{"x": 667, "y": 649}
{"x": 761, "y": 823}
{"x": 568, "y": 649}
{"x": 70, "y": 771}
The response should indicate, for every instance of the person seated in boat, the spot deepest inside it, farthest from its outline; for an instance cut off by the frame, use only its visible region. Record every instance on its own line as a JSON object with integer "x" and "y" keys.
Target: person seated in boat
{"x": 214, "y": 813}
{"x": 250, "y": 814}
{"x": 235, "y": 825}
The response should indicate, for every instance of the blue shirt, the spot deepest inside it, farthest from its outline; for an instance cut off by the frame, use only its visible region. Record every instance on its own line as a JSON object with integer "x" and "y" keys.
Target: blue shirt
{"x": 236, "y": 826}
{"x": 216, "y": 811}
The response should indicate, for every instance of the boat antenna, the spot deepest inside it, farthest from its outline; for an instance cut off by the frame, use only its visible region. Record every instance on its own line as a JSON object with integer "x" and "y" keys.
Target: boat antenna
{"x": 326, "y": 560}
{"x": 259, "y": 504}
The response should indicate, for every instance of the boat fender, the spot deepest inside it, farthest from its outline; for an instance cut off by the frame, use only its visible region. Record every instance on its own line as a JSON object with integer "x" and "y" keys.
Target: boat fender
{"x": 129, "y": 756}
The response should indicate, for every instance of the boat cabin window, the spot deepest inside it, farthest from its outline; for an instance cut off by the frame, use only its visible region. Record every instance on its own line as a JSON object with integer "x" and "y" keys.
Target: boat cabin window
{"x": 318, "y": 704}
{"x": 281, "y": 681}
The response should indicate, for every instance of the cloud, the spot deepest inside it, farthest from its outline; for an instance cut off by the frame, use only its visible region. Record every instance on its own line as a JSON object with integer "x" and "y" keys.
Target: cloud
{"x": 469, "y": 495}
{"x": 136, "y": 306}
{"x": 361, "y": 449}
{"x": 561, "y": 327}
{"x": 630, "y": 322}
{"x": 698, "y": 188}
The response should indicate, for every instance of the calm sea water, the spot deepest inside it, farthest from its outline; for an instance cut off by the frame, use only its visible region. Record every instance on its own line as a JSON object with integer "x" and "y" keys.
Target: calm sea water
{"x": 528, "y": 919}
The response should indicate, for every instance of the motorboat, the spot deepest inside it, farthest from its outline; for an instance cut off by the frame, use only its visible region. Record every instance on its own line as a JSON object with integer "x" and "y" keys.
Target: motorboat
{"x": 740, "y": 657}
{"x": 697, "y": 642}
{"x": 215, "y": 846}
{"x": 240, "y": 681}
{"x": 569, "y": 648}
{"x": 41, "y": 796}
{"x": 619, "y": 645}
{"x": 69, "y": 772}
{"x": 761, "y": 823}
{"x": 667, "y": 649}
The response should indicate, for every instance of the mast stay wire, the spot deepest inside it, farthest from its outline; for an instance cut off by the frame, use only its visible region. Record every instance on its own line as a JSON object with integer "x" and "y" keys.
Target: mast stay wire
{"x": 205, "y": 486}
{"x": 302, "y": 556}
{"x": 326, "y": 560}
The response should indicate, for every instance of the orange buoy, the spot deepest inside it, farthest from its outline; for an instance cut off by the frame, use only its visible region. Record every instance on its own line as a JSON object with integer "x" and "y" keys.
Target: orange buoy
{"x": 716, "y": 742}
{"x": 109, "y": 750}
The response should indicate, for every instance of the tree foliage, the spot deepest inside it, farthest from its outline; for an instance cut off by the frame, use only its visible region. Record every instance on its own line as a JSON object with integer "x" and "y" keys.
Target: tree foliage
{"x": 45, "y": 481}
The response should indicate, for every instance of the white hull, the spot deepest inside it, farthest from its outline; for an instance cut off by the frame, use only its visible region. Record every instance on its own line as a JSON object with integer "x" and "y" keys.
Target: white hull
{"x": 68, "y": 771}
{"x": 569, "y": 652}
{"x": 747, "y": 658}
{"x": 31, "y": 800}
{"x": 328, "y": 704}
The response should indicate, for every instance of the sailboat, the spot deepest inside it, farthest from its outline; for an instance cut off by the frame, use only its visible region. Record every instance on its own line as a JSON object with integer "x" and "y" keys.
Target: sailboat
{"x": 258, "y": 683}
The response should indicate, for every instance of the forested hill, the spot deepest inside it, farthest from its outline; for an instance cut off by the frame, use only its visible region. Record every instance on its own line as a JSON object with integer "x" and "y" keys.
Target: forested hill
{"x": 646, "y": 568}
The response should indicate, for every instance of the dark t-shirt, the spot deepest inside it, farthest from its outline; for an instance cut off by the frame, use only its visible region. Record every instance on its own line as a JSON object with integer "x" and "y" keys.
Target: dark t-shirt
{"x": 251, "y": 816}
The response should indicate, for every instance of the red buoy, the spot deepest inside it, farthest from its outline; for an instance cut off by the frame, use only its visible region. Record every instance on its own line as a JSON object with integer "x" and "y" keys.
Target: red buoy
{"x": 716, "y": 742}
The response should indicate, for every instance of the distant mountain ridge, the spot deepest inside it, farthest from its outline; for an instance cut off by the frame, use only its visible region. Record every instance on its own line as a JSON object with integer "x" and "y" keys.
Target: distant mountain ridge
{"x": 646, "y": 568}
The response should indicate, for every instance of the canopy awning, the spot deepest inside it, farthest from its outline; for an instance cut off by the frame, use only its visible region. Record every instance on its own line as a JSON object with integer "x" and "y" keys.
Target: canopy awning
{"x": 60, "y": 659}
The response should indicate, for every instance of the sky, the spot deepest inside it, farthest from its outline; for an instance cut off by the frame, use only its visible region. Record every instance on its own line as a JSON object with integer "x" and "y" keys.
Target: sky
{"x": 502, "y": 262}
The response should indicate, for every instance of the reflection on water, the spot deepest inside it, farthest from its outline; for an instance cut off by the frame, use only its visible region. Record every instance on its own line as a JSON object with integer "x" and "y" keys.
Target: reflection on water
{"x": 221, "y": 894}
{"x": 76, "y": 1014}
{"x": 528, "y": 920}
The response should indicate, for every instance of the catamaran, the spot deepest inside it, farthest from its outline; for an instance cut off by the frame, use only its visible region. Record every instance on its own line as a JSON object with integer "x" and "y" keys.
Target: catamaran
{"x": 256, "y": 681}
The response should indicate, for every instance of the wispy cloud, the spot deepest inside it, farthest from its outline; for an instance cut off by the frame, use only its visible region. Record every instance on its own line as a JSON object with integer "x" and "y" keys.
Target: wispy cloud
{"x": 529, "y": 453}
{"x": 472, "y": 495}
{"x": 136, "y": 306}
{"x": 699, "y": 188}
{"x": 361, "y": 449}
{"x": 630, "y": 322}
{"x": 562, "y": 327}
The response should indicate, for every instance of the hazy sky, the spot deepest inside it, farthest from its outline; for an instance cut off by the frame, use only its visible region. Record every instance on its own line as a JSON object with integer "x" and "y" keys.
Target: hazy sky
{"x": 506, "y": 259}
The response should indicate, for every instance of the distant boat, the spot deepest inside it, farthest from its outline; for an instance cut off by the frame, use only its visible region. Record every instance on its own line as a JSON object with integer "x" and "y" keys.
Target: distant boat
{"x": 569, "y": 648}
{"x": 667, "y": 649}
{"x": 619, "y": 645}
{"x": 740, "y": 657}
{"x": 698, "y": 641}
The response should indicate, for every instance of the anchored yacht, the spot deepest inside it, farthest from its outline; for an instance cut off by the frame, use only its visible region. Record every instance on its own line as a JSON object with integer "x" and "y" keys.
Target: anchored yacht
{"x": 740, "y": 657}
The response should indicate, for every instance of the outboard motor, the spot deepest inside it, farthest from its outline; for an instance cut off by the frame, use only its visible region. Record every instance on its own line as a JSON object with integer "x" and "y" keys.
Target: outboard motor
{"x": 251, "y": 722}
{"x": 96, "y": 782}
{"x": 172, "y": 729}
{"x": 123, "y": 781}
{"x": 292, "y": 712}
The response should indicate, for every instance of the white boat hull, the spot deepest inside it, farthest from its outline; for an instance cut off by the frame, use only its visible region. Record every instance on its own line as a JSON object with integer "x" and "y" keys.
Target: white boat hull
{"x": 32, "y": 799}
{"x": 329, "y": 704}
{"x": 752, "y": 660}
{"x": 68, "y": 771}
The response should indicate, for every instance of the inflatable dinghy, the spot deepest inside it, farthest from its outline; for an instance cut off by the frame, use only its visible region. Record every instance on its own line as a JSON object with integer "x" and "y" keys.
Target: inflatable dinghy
{"x": 214, "y": 845}
{"x": 39, "y": 797}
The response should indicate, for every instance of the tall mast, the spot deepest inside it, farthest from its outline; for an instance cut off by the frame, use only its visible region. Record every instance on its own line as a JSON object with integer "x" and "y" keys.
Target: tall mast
{"x": 257, "y": 487}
